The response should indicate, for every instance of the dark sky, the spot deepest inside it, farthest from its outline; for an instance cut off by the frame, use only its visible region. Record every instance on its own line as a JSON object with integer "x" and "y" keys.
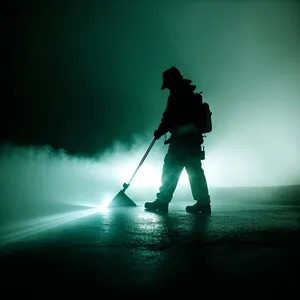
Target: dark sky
{"x": 81, "y": 75}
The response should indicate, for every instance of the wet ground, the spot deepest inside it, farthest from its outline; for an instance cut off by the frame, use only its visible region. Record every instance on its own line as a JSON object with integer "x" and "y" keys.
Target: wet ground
{"x": 131, "y": 250}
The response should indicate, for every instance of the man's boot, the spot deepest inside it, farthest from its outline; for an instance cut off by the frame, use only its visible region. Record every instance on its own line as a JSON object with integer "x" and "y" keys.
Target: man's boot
{"x": 199, "y": 208}
{"x": 157, "y": 206}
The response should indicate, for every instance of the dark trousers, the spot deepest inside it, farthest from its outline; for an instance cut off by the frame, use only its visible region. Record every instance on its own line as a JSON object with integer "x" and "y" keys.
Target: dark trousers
{"x": 184, "y": 152}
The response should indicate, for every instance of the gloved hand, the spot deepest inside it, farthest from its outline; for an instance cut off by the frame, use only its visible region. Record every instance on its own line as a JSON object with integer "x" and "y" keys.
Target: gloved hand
{"x": 157, "y": 134}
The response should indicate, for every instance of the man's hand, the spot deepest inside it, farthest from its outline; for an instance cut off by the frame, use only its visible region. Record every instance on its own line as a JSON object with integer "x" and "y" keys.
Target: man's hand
{"x": 157, "y": 134}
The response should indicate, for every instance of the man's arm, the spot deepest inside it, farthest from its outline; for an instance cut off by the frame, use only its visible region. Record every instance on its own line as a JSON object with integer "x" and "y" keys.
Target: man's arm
{"x": 164, "y": 125}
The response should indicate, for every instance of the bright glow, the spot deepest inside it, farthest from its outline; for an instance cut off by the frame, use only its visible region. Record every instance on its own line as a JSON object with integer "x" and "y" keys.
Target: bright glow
{"x": 184, "y": 178}
{"x": 103, "y": 206}
{"x": 147, "y": 175}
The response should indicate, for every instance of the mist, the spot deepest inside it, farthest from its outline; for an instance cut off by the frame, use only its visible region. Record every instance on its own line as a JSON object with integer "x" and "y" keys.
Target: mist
{"x": 37, "y": 181}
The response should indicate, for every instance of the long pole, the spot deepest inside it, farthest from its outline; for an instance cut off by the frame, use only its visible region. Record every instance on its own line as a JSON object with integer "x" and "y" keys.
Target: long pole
{"x": 126, "y": 185}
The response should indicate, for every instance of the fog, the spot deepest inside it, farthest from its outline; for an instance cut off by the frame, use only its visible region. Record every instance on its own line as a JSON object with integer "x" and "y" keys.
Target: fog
{"x": 38, "y": 180}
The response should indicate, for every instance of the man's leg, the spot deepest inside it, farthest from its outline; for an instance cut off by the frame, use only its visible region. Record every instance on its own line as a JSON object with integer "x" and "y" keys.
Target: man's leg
{"x": 171, "y": 172}
{"x": 172, "y": 169}
{"x": 198, "y": 182}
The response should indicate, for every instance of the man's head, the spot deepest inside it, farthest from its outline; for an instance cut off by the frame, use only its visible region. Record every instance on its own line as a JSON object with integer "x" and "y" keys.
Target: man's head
{"x": 171, "y": 78}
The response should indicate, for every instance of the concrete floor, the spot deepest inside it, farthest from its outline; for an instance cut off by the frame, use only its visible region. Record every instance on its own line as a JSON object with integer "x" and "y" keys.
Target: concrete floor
{"x": 131, "y": 250}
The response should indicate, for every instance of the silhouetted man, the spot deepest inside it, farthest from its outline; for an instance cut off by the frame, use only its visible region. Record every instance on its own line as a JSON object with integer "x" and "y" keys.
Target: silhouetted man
{"x": 180, "y": 119}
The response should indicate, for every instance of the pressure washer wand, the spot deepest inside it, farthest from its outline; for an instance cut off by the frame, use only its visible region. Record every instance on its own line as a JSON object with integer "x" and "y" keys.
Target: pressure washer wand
{"x": 126, "y": 185}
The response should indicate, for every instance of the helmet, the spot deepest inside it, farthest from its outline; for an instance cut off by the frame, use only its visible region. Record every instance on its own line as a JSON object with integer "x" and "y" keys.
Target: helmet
{"x": 170, "y": 75}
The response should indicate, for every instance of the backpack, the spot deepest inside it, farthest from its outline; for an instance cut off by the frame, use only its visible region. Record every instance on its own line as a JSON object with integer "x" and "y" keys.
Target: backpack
{"x": 204, "y": 119}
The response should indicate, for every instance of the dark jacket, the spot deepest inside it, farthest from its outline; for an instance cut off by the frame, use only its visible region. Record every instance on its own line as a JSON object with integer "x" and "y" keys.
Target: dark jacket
{"x": 180, "y": 108}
